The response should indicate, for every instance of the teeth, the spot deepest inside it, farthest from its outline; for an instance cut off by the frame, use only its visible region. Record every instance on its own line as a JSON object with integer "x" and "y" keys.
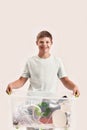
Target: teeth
{"x": 44, "y": 47}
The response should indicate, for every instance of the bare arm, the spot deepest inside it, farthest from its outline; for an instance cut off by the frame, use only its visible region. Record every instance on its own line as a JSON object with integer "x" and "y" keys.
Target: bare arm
{"x": 16, "y": 84}
{"x": 70, "y": 85}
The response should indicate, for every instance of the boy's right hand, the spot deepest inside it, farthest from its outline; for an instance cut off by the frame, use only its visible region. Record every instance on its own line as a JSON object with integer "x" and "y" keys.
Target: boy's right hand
{"x": 9, "y": 90}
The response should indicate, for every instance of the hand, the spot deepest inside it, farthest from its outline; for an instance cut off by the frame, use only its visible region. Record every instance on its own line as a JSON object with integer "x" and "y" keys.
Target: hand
{"x": 76, "y": 92}
{"x": 9, "y": 89}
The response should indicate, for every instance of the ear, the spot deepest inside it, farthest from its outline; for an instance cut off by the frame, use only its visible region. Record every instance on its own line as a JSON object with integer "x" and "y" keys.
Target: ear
{"x": 36, "y": 43}
{"x": 51, "y": 42}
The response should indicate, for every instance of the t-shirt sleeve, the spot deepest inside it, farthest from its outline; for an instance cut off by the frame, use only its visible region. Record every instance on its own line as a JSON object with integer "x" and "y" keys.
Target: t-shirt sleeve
{"x": 26, "y": 73}
{"x": 61, "y": 71}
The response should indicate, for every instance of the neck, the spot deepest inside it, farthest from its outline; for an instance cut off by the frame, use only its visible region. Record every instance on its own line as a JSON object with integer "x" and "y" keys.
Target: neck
{"x": 46, "y": 55}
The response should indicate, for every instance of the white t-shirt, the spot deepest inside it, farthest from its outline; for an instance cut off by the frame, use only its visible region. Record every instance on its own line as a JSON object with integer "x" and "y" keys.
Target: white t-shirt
{"x": 44, "y": 73}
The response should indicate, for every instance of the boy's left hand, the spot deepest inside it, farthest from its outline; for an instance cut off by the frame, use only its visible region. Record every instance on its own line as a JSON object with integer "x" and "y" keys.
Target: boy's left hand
{"x": 76, "y": 92}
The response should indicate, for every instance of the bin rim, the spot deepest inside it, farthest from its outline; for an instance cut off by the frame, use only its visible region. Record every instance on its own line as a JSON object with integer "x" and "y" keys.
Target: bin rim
{"x": 33, "y": 95}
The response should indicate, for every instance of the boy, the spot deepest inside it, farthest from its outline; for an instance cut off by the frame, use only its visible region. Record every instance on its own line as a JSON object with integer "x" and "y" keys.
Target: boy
{"x": 44, "y": 69}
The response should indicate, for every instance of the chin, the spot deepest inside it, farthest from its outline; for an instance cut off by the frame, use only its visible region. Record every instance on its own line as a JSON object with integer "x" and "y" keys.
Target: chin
{"x": 46, "y": 50}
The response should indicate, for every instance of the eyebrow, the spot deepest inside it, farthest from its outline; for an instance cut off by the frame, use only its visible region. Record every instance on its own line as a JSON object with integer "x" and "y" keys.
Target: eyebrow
{"x": 41, "y": 41}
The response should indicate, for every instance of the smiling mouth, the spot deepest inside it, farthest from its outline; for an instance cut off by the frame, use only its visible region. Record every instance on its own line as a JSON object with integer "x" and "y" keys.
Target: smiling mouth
{"x": 44, "y": 47}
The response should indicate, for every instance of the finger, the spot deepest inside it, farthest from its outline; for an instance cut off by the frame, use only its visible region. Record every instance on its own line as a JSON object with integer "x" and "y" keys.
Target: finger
{"x": 8, "y": 91}
{"x": 77, "y": 94}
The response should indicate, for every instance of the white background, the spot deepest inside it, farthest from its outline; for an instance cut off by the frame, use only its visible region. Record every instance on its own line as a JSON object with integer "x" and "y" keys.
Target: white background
{"x": 20, "y": 21}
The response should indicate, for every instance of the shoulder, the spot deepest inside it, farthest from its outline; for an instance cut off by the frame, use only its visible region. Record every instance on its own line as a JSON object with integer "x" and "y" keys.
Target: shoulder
{"x": 30, "y": 59}
{"x": 57, "y": 59}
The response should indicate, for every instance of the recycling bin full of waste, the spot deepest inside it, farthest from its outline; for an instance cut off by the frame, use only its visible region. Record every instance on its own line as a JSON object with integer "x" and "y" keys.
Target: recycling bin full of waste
{"x": 41, "y": 110}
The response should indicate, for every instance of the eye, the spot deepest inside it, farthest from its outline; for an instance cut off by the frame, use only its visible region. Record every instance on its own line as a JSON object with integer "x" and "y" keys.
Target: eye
{"x": 47, "y": 42}
{"x": 41, "y": 42}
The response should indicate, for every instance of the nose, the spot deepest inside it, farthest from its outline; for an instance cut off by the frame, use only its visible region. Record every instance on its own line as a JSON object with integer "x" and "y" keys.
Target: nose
{"x": 44, "y": 43}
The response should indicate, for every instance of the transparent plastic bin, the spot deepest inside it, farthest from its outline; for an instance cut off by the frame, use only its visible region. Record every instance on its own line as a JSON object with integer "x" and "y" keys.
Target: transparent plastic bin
{"x": 43, "y": 111}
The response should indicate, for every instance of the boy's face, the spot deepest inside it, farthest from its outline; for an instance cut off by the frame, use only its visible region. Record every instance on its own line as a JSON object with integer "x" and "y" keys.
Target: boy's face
{"x": 44, "y": 44}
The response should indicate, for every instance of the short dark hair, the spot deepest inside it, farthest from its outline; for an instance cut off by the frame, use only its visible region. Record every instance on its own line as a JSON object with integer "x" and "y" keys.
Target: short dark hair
{"x": 44, "y": 34}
